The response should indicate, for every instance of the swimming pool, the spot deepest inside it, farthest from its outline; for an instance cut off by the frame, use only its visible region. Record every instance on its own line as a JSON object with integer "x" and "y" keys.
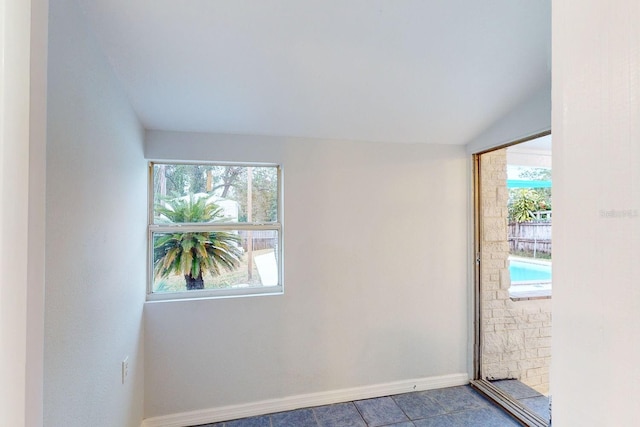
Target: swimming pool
{"x": 522, "y": 271}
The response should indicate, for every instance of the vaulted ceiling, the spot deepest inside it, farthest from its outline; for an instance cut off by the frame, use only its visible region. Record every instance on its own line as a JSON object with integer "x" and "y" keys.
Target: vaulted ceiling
{"x": 429, "y": 71}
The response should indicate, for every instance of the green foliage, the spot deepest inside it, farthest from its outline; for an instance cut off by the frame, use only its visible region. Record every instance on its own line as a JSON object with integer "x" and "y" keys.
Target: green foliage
{"x": 531, "y": 254}
{"x": 227, "y": 182}
{"x": 193, "y": 253}
{"x": 179, "y": 180}
{"x": 539, "y": 174}
{"x": 524, "y": 203}
{"x": 536, "y": 174}
{"x": 264, "y": 195}
{"x": 187, "y": 210}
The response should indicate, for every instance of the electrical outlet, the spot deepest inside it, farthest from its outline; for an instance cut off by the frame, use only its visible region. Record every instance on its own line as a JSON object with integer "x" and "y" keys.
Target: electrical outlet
{"x": 125, "y": 369}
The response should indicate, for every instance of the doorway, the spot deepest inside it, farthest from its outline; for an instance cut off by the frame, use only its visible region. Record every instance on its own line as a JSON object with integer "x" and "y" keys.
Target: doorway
{"x": 513, "y": 219}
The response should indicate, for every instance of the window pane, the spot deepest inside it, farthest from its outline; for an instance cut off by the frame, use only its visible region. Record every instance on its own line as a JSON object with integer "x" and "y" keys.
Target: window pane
{"x": 240, "y": 193}
{"x": 184, "y": 261}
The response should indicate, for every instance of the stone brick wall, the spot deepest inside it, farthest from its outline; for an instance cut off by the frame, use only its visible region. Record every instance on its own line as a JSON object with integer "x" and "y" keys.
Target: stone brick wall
{"x": 516, "y": 335}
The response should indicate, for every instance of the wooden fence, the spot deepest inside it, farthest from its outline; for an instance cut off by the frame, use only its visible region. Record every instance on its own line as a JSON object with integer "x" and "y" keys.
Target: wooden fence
{"x": 262, "y": 239}
{"x": 530, "y": 237}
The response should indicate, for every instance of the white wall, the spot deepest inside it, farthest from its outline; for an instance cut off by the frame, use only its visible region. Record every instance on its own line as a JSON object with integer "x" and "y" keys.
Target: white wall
{"x": 22, "y": 129}
{"x": 95, "y": 235}
{"x": 375, "y": 278}
{"x": 596, "y": 155}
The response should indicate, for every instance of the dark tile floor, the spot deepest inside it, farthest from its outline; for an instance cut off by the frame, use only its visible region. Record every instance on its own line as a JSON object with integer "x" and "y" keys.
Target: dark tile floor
{"x": 447, "y": 407}
{"x": 524, "y": 394}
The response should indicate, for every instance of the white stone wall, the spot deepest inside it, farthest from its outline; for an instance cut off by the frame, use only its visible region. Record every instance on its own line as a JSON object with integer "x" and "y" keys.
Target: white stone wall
{"x": 516, "y": 335}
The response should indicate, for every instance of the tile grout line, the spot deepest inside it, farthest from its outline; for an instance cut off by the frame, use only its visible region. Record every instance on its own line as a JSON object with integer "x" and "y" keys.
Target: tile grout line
{"x": 442, "y": 410}
{"x": 353, "y": 402}
{"x": 403, "y": 411}
{"x": 315, "y": 417}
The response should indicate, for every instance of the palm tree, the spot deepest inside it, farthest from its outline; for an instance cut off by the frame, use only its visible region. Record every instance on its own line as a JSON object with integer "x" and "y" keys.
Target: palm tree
{"x": 193, "y": 253}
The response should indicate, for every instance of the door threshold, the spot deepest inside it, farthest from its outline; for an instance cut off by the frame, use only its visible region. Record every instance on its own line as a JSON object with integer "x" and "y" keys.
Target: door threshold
{"x": 517, "y": 410}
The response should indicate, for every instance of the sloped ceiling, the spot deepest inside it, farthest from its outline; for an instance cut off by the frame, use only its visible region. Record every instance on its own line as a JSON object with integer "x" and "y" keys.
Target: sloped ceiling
{"x": 428, "y": 71}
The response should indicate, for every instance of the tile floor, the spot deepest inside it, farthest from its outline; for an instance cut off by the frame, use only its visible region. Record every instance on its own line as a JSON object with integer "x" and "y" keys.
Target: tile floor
{"x": 524, "y": 394}
{"x": 447, "y": 407}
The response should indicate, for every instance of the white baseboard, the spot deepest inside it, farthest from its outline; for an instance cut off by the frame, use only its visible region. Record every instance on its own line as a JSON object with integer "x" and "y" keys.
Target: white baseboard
{"x": 288, "y": 403}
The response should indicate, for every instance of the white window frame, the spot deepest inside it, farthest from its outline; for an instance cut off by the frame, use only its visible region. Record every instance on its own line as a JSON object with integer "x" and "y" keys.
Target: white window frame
{"x": 195, "y": 227}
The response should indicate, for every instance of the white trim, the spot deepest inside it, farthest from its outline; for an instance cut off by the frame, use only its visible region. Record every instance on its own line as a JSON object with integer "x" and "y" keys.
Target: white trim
{"x": 195, "y": 295}
{"x": 288, "y": 403}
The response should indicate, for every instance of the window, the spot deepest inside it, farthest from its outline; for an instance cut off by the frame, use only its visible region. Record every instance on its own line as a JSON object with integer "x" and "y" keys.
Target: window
{"x": 214, "y": 230}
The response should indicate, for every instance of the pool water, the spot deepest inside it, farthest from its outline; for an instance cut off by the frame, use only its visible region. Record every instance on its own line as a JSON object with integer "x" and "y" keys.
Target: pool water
{"x": 526, "y": 271}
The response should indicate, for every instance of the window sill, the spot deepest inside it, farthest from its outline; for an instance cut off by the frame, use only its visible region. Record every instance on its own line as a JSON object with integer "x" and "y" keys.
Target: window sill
{"x": 215, "y": 294}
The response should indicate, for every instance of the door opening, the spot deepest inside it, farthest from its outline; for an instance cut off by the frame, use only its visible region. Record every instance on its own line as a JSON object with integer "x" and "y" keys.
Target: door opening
{"x": 513, "y": 219}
